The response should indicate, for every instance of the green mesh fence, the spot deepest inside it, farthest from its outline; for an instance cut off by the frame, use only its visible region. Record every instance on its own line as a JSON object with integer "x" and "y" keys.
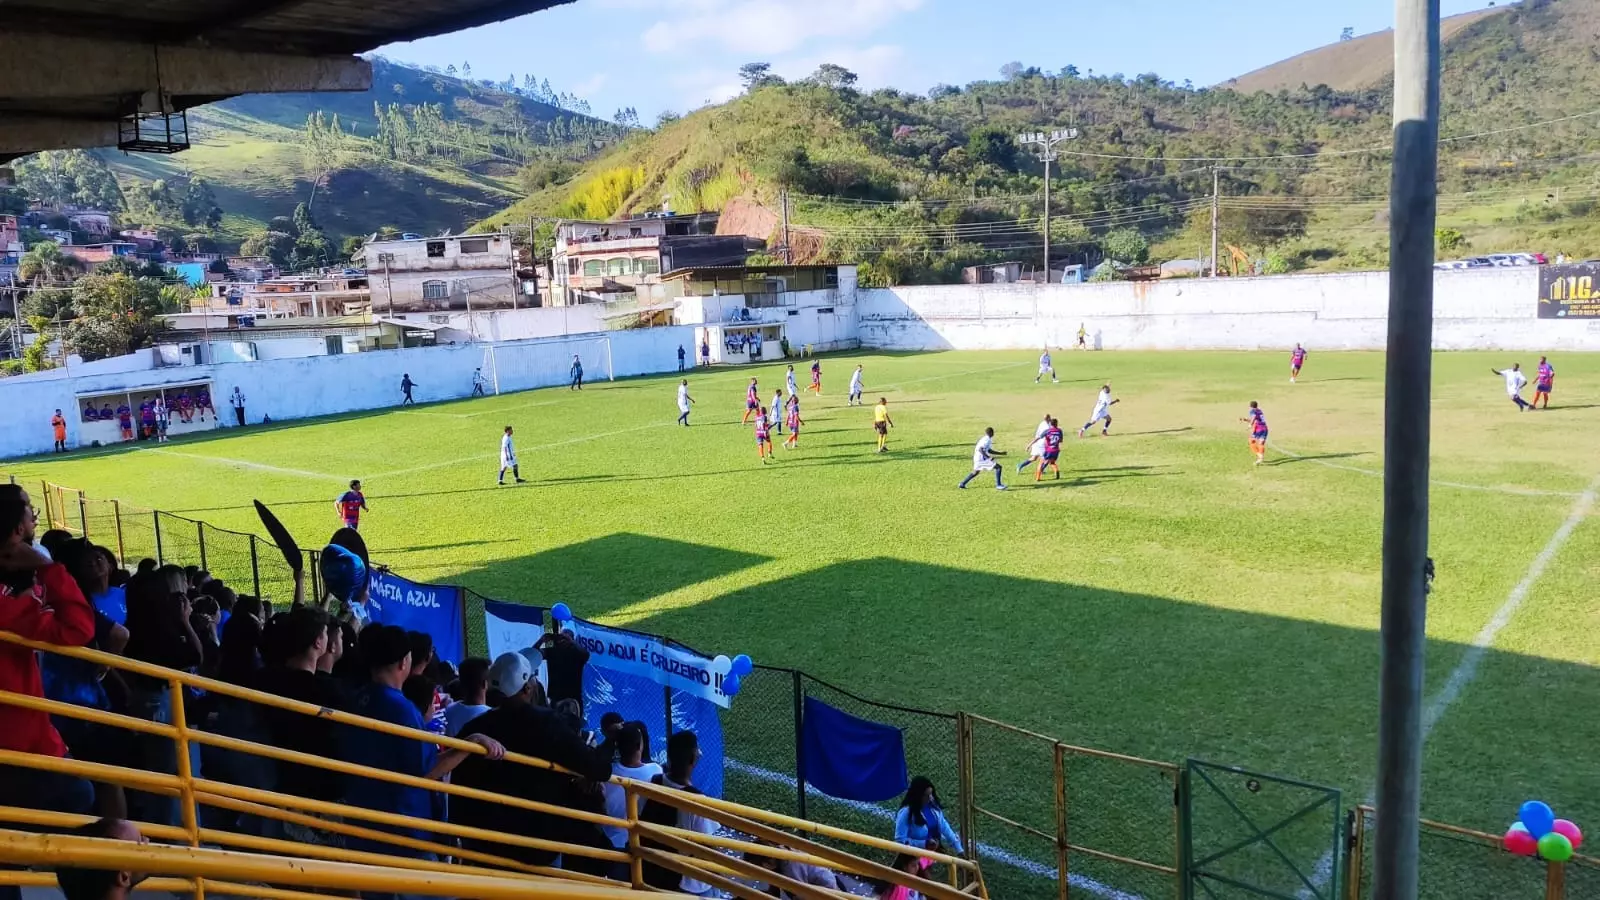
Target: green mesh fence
{"x": 1257, "y": 835}
{"x": 138, "y": 531}
{"x": 178, "y": 540}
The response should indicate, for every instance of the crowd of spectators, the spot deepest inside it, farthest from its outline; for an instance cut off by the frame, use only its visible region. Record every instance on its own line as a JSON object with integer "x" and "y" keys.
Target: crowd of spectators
{"x": 62, "y": 590}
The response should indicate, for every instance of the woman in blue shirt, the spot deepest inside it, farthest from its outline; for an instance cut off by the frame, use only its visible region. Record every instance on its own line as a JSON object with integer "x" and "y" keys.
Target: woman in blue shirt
{"x": 921, "y": 821}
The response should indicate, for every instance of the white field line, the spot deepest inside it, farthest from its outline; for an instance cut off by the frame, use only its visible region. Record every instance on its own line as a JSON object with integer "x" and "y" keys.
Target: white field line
{"x": 1467, "y": 670}
{"x": 496, "y": 455}
{"x": 998, "y": 854}
{"x": 1378, "y": 473}
{"x": 244, "y": 464}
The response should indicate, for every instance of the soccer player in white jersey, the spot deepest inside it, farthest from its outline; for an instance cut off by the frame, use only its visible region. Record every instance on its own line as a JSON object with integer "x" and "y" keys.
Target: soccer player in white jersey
{"x": 855, "y": 388}
{"x": 983, "y": 460}
{"x": 1035, "y": 449}
{"x": 1515, "y": 382}
{"x": 508, "y": 458}
{"x": 683, "y": 403}
{"x": 1046, "y": 368}
{"x": 789, "y": 382}
{"x": 1102, "y": 412}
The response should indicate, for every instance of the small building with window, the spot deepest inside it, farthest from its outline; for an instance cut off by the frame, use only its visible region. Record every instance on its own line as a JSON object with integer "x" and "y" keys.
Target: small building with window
{"x": 468, "y": 271}
{"x": 747, "y": 314}
{"x": 595, "y": 261}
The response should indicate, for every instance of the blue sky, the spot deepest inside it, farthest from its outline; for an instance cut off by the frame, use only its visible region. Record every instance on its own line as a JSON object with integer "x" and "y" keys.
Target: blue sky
{"x": 677, "y": 55}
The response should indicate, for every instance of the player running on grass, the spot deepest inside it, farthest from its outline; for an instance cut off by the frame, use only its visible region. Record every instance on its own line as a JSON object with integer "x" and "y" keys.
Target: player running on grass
{"x": 1543, "y": 382}
{"x": 1046, "y": 367}
{"x": 1036, "y": 449}
{"x": 1296, "y": 360}
{"x": 1052, "y": 451}
{"x": 984, "y": 459}
{"x": 752, "y": 402}
{"x": 788, "y": 382}
{"x": 794, "y": 423}
{"x": 881, "y": 423}
{"x": 683, "y": 402}
{"x": 351, "y": 504}
{"x": 508, "y": 458}
{"x": 1258, "y": 431}
{"x": 816, "y": 377}
{"x": 855, "y": 388}
{"x": 775, "y": 411}
{"x": 1515, "y": 382}
{"x": 763, "y": 436}
{"x": 1102, "y": 412}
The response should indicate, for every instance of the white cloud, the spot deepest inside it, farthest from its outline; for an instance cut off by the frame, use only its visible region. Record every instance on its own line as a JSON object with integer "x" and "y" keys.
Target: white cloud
{"x": 591, "y": 86}
{"x": 766, "y": 27}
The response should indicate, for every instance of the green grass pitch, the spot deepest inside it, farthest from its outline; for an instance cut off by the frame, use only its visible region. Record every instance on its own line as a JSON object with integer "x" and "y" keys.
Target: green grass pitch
{"x": 1164, "y": 598}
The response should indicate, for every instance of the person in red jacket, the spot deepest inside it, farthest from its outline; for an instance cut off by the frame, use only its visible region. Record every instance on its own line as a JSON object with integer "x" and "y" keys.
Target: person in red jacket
{"x": 40, "y": 601}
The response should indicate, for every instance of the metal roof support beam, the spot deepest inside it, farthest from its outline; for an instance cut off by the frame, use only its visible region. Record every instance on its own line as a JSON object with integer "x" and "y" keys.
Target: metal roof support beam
{"x": 30, "y": 69}
{"x": 26, "y": 134}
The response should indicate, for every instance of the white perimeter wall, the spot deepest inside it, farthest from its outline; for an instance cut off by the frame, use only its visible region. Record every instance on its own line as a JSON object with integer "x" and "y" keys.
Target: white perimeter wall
{"x": 325, "y": 385}
{"x": 1480, "y": 309}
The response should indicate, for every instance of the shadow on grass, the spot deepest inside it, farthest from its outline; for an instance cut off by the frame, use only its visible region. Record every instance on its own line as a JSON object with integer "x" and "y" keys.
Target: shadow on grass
{"x": 1286, "y": 460}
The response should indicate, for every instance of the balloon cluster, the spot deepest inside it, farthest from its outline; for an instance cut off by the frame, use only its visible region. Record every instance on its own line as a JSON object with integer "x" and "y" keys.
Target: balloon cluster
{"x": 561, "y": 612}
{"x": 734, "y": 670}
{"x": 1537, "y": 832}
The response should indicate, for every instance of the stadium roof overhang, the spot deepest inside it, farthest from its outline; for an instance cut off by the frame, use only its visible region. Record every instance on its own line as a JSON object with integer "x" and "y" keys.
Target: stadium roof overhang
{"x": 74, "y": 73}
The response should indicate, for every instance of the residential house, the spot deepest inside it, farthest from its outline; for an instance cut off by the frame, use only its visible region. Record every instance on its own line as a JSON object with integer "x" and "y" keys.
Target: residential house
{"x": 90, "y": 221}
{"x": 149, "y": 246}
{"x": 94, "y": 254}
{"x": 592, "y": 260}
{"x": 10, "y": 241}
{"x": 334, "y": 294}
{"x": 251, "y": 268}
{"x": 469, "y": 271}
{"x": 243, "y": 337}
{"x": 747, "y": 313}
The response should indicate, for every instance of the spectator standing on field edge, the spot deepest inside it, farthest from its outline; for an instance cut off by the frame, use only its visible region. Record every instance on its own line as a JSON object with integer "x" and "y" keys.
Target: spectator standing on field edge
{"x": 681, "y": 355}
{"x": 58, "y": 422}
{"x": 406, "y": 384}
{"x": 705, "y": 351}
{"x": 237, "y": 401}
{"x": 577, "y": 374}
{"x": 40, "y": 601}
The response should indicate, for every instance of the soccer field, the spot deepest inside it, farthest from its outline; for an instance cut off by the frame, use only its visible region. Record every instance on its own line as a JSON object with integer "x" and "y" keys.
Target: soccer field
{"x": 1164, "y": 598}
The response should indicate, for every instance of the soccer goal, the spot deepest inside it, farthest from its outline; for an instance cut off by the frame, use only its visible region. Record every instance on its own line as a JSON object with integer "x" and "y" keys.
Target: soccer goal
{"x": 524, "y": 365}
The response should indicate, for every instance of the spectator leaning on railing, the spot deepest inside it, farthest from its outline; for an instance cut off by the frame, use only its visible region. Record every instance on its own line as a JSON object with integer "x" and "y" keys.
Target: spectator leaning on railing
{"x": 40, "y": 601}
{"x": 159, "y": 633}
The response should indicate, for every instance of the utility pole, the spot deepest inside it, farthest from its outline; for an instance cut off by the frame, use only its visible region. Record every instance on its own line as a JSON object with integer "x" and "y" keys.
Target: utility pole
{"x": 1216, "y": 193}
{"x": 1047, "y": 153}
{"x": 388, "y": 285}
{"x": 788, "y": 254}
{"x": 1413, "y": 205}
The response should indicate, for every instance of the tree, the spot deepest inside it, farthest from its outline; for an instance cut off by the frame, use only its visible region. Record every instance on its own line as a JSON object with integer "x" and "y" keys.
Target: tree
{"x": 274, "y": 245}
{"x": 666, "y": 117}
{"x": 1126, "y": 245}
{"x": 116, "y": 314}
{"x": 97, "y": 338}
{"x": 1070, "y": 71}
{"x": 1450, "y": 240}
{"x": 1348, "y": 34}
{"x": 832, "y": 76}
{"x": 33, "y": 358}
{"x": 1011, "y": 70}
{"x": 993, "y": 146}
{"x": 45, "y": 263}
{"x": 756, "y": 75}
{"x": 198, "y": 242}
{"x": 50, "y": 304}
{"x": 199, "y": 204}
{"x": 60, "y": 177}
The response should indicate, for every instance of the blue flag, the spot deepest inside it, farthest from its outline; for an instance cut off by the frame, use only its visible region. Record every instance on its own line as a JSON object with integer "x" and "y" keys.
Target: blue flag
{"x": 433, "y": 609}
{"x": 850, "y": 758}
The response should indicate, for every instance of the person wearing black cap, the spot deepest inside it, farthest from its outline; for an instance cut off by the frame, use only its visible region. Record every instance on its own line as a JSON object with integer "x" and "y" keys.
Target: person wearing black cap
{"x": 524, "y": 725}
{"x": 386, "y": 652}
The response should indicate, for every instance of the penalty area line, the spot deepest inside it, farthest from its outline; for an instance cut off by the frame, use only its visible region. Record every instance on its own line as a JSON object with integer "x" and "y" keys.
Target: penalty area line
{"x": 1378, "y": 473}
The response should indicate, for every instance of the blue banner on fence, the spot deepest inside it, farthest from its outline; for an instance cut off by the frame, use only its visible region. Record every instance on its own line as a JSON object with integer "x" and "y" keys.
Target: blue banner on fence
{"x": 851, "y": 758}
{"x": 645, "y": 657}
{"x": 433, "y": 609}
{"x": 511, "y": 627}
{"x": 639, "y": 699}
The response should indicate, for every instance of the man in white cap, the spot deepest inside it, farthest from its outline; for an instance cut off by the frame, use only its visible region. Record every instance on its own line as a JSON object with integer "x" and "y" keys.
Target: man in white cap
{"x": 525, "y": 725}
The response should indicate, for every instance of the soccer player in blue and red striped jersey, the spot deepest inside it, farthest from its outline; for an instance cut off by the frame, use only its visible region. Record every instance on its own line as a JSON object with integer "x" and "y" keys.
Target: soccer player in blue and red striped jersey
{"x": 763, "y": 434}
{"x": 752, "y": 402}
{"x": 1052, "y": 451}
{"x": 351, "y": 504}
{"x": 1544, "y": 382}
{"x": 1296, "y": 360}
{"x": 1258, "y": 431}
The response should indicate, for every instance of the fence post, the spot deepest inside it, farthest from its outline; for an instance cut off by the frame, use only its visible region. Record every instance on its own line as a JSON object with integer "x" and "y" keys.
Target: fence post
{"x": 156, "y": 515}
{"x": 1059, "y": 765}
{"x": 83, "y": 516}
{"x": 1355, "y": 849}
{"x": 968, "y": 793}
{"x": 255, "y": 567}
{"x": 1555, "y": 881}
{"x": 122, "y": 551}
{"x": 1180, "y": 797}
{"x": 200, "y": 529}
{"x": 666, "y": 703}
{"x": 188, "y": 810}
{"x": 635, "y": 858}
{"x": 799, "y": 754}
{"x": 49, "y": 507}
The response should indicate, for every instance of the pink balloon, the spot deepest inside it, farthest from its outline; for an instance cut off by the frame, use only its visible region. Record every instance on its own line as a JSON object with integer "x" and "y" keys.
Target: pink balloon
{"x": 1569, "y": 831}
{"x": 1520, "y": 842}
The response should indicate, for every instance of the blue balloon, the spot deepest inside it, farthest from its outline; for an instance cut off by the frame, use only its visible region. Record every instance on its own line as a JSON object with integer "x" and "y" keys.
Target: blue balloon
{"x": 742, "y": 665}
{"x": 730, "y": 685}
{"x": 1538, "y": 817}
{"x": 560, "y": 612}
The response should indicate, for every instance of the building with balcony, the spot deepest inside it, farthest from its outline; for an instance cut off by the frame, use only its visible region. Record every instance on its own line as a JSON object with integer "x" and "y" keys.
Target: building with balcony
{"x": 595, "y": 261}
{"x": 746, "y": 313}
{"x": 468, "y": 271}
{"x": 332, "y": 294}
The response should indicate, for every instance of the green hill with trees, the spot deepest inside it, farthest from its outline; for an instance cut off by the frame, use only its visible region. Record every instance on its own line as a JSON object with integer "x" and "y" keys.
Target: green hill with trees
{"x": 915, "y": 186}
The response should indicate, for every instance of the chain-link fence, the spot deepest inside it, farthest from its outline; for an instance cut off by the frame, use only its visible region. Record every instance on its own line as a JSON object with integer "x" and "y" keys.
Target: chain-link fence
{"x": 1459, "y": 862}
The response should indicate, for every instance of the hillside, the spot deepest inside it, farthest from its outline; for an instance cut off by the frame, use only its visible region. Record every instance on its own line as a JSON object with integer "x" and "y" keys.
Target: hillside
{"x": 444, "y": 172}
{"x": 914, "y": 187}
{"x": 1361, "y": 62}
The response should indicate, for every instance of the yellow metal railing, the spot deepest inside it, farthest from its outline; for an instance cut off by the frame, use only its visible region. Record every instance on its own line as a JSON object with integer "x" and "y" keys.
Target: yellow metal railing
{"x": 713, "y": 859}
